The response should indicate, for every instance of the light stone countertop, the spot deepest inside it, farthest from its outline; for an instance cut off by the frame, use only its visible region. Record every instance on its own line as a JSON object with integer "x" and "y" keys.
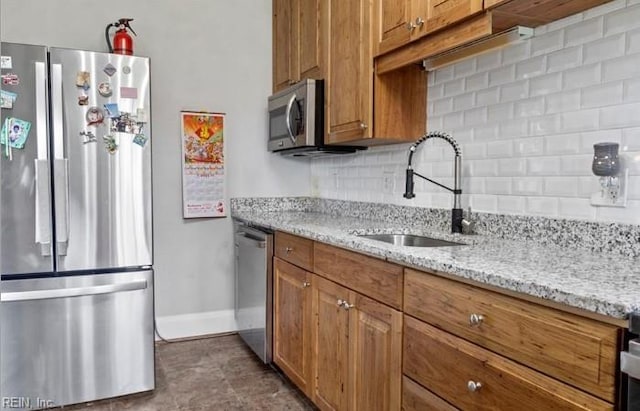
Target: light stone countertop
{"x": 606, "y": 284}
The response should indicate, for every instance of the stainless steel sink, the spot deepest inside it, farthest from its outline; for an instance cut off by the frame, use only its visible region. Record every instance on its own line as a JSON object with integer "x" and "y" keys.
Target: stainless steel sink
{"x": 409, "y": 240}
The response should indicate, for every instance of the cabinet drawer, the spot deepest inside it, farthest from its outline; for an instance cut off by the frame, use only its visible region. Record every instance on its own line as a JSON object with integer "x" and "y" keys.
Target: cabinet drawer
{"x": 294, "y": 249}
{"x": 448, "y": 365}
{"x": 370, "y": 276}
{"x": 576, "y": 350}
{"x": 416, "y": 398}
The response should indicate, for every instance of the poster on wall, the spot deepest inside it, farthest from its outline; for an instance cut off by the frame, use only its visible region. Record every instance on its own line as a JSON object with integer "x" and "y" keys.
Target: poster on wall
{"x": 203, "y": 186}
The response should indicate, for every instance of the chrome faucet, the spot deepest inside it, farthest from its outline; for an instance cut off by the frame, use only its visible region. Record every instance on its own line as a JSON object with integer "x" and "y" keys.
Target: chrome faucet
{"x": 456, "y": 213}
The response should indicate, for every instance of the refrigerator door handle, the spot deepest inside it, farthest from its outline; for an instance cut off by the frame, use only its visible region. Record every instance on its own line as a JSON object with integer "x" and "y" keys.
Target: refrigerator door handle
{"x": 60, "y": 163}
{"x": 43, "y": 204}
{"x": 72, "y": 292}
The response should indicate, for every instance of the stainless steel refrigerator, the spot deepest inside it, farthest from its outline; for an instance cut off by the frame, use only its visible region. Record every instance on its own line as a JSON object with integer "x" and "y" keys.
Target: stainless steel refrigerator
{"x": 75, "y": 212}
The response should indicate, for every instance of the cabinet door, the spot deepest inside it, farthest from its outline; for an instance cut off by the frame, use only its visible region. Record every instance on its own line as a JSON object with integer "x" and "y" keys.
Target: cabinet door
{"x": 376, "y": 356}
{"x": 331, "y": 345}
{"x": 284, "y": 44}
{"x": 293, "y": 323}
{"x": 443, "y": 13}
{"x": 393, "y": 24}
{"x": 350, "y": 71}
{"x": 311, "y": 26}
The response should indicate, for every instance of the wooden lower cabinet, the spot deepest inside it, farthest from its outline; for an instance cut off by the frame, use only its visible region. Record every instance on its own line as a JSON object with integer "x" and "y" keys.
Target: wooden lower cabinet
{"x": 293, "y": 323}
{"x": 357, "y": 347}
{"x": 472, "y": 378}
{"x": 416, "y": 398}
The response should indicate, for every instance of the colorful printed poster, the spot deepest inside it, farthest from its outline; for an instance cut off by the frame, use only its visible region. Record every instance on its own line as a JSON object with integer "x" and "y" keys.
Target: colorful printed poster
{"x": 203, "y": 184}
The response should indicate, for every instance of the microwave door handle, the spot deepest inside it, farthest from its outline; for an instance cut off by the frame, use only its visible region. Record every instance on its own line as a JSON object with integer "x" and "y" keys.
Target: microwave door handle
{"x": 287, "y": 115}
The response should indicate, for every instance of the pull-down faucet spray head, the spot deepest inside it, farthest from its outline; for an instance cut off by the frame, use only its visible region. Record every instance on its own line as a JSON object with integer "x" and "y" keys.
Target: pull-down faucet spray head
{"x": 456, "y": 212}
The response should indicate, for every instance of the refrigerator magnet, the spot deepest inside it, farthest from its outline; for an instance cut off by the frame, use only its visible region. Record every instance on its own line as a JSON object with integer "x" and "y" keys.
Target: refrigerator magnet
{"x": 88, "y": 137}
{"x": 10, "y": 79}
{"x": 15, "y": 132}
{"x": 83, "y": 78}
{"x": 109, "y": 69}
{"x": 128, "y": 92}
{"x": 110, "y": 144}
{"x": 111, "y": 110}
{"x": 141, "y": 115}
{"x": 140, "y": 139}
{"x": 105, "y": 89}
{"x": 83, "y": 100}
{"x": 7, "y": 99}
{"x": 94, "y": 116}
{"x": 126, "y": 69}
{"x": 6, "y": 63}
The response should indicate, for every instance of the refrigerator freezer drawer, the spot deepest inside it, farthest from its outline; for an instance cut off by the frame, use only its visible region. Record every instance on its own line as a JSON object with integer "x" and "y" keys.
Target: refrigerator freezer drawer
{"x": 68, "y": 340}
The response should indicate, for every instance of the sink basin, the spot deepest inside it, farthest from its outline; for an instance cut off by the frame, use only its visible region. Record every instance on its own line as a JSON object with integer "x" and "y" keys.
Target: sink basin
{"x": 409, "y": 240}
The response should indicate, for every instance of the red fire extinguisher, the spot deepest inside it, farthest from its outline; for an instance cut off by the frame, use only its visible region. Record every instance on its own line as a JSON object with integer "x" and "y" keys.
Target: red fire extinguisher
{"x": 122, "y": 41}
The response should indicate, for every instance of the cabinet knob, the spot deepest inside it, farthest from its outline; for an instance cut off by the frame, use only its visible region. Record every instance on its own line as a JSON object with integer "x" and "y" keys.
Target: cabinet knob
{"x": 419, "y": 22}
{"x": 476, "y": 320}
{"x": 340, "y": 302}
{"x": 410, "y": 26}
{"x": 288, "y": 249}
{"x": 363, "y": 126}
{"x": 347, "y": 306}
{"x": 474, "y": 386}
{"x": 306, "y": 284}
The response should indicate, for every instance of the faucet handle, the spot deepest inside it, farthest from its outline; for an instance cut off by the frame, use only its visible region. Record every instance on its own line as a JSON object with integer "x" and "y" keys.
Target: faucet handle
{"x": 468, "y": 225}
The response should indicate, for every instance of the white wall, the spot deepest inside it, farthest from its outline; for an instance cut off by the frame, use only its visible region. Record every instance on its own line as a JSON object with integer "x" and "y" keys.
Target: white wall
{"x": 527, "y": 118}
{"x": 205, "y": 55}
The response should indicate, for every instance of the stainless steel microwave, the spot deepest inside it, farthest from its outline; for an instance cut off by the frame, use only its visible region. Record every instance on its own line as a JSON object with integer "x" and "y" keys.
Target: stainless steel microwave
{"x": 296, "y": 122}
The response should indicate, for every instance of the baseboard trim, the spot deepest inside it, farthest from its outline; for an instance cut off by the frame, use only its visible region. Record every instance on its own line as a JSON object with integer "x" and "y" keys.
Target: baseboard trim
{"x": 196, "y": 324}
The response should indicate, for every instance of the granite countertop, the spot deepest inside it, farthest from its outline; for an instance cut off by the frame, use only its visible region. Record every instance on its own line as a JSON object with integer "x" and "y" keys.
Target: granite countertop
{"x": 606, "y": 284}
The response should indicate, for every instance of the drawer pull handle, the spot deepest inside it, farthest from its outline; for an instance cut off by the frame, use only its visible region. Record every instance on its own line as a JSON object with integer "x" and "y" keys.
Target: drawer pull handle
{"x": 410, "y": 26}
{"x": 419, "y": 22}
{"x": 474, "y": 386}
{"x": 288, "y": 249}
{"x": 475, "y": 320}
{"x": 306, "y": 284}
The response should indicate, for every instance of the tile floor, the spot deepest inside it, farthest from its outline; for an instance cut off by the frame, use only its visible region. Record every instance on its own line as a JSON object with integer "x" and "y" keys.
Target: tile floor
{"x": 211, "y": 374}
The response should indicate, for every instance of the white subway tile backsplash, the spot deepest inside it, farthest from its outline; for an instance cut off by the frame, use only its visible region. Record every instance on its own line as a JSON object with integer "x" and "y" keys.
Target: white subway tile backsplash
{"x": 582, "y": 120}
{"x": 488, "y": 61}
{"x": 621, "y": 68}
{"x": 453, "y": 87}
{"x": 564, "y": 59}
{"x": 584, "y": 32}
{"x": 604, "y": 49}
{"x": 576, "y": 208}
{"x": 526, "y": 118}
{"x": 511, "y": 204}
{"x": 546, "y": 206}
{"x": 463, "y": 101}
{"x": 561, "y": 186}
{"x": 487, "y": 96}
{"x": 560, "y": 102}
{"x": 529, "y": 146}
{"x": 529, "y": 107}
{"x": 548, "y": 42}
{"x": 512, "y": 167}
{"x": 531, "y": 68}
{"x": 562, "y": 144}
{"x": 500, "y": 112}
{"x": 500, "y": 149}
{"x": 582, "y": 76}
{"x": 624, "y": 115}
{"x": 602, "y": 95}
{"x": 527, "y": 186}
{"x": 622, "y": 20}
{"x": 514, "y": 91}
{"x": 543, "y": 166}
{"x": 478, "y": 81}
{"x": 498, "y": 185}
{"x": 515, "y": 53}
{"x": 502, "y": 75}
{"x": 546, "y": 84}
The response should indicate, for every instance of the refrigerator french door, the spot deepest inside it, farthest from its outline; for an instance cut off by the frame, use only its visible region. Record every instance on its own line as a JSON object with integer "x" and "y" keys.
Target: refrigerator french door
{"x": 76, "y": 249}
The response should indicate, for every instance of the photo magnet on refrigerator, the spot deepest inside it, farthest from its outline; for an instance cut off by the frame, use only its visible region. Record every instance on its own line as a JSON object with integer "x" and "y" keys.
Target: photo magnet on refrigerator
{"x": 94, "y": 116}
{"x": 83, "y": 79}
{"x": 83, "y": 100}
{"x": 15, "y": 131}
{"x": 7, "y": 99}
{"x": 110, "y": 143}
{"x": 5, "y": 62}
{"x": 140, "y": 139}
{"x": 104, "y": 89}
{"x": 111, "y": 110}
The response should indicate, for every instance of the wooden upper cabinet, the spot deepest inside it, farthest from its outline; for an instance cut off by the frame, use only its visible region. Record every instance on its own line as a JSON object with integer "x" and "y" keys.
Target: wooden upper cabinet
{"x": 393, "y": 20}
{"x": 299, "y": 35}
{"x": 350, "y": 72}
{"x": 440, "y": 14}
{"x": 293, "y": 329}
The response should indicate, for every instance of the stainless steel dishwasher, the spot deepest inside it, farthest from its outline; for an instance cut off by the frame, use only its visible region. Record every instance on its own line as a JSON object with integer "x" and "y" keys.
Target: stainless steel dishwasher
{"x": 254, "y": 285}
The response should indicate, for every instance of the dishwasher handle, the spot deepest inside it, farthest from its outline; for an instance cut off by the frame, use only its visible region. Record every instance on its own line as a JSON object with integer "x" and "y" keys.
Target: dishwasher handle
{"x": 72, "y": 292}
{"x": 244, "y": 239}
